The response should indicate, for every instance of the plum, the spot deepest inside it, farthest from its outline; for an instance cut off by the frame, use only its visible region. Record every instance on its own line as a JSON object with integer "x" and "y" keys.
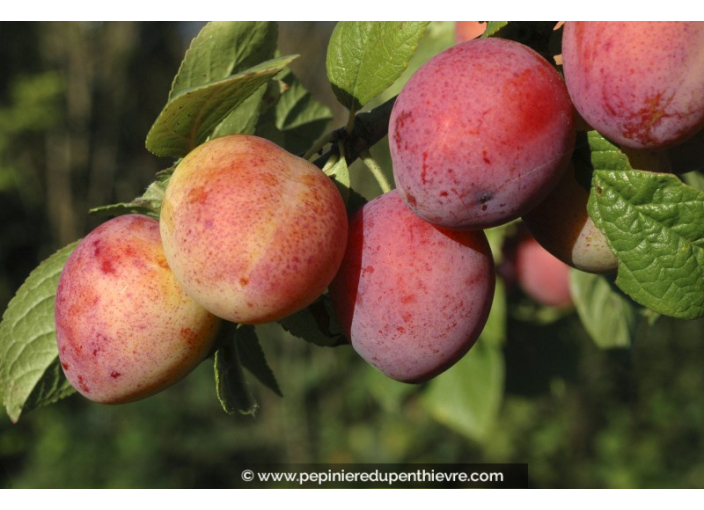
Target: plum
{"x": 468, "y": 30}
{"x": 125, "y": 328}
{"x": 412, "y": 298}
{"x": 641, "y": 84}
{"x": 561, "y": 224}
{"x": 541, "y": 275}
{"x": 480, "y": 134}
{"x": 252, "y": 232}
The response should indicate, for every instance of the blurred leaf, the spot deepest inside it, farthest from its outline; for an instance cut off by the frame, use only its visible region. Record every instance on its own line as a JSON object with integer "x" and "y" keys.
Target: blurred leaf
{"x": 653, "y": 223}
{"x": 29, "y": 374}
{"x": 148, "y": 204}
{"x": 189, "y": 118}
{"x": 492, "y": 27}
{"x": 494, "y": 331}
{"x": 35, "y": 103}
{"x": 389, "y": 393}
{"x": 366, "y": 57}
{"x": 608, "y": 316}
{"x": 467, "y": 397}
{"x": 223, "y": 48}
{"x": 230, "y": 385}
{"x": 252, "y": 357}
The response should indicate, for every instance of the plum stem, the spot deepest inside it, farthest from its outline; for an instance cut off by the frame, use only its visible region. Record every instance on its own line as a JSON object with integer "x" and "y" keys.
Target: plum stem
{"x": 350, "y": 122}
{"x": 376, "y": 171}
{"x": 320, "y": 143}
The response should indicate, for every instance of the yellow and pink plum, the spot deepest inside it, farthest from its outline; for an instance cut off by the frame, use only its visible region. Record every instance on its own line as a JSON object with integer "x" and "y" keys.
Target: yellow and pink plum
{"x": 480, "y": 134}
{"x": 252, "y": 232}
{"x": 561, "y": 224}
{"x": 125, "y": 328}
{"x": 412, "y": 298}
{"x": 640, "y": 84}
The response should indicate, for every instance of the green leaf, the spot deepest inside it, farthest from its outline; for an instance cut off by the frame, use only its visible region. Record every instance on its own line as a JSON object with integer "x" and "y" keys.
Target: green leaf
{"x": 695, "y": 179}
{"x": 366, "y": 57}
{"x": 244, "y": 118}
{"x": 253, "y": 359}
{"x": 296, "y": 107}
{"x": 148, "y": 204}
{"x": 494, "y": 331}
{"x": 223, "y": 48}
{"x": 315, "y": 324}
{"x": 189, "y": 118}
{"x": 340, "y": 175}
{"x": 467, "y": 397}
{"x": 29, "y": 373}
{"x": 608, "y": 316}
{"x": 230, "y": 385}
{"x": 654, "y": 225}
{"x": 492, "y": 27}
{"x": 297, "y": 120}
{"x": 605, "y": 155}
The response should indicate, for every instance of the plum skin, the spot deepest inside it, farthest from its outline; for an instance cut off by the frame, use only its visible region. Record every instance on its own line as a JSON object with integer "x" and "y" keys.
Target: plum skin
{"x": 640, "y": 84}
{"x": 480, "y": 134}
{"x": 412, "y": 298}
{"x": 125, "y": 328}
{"x": 252, "y": 232}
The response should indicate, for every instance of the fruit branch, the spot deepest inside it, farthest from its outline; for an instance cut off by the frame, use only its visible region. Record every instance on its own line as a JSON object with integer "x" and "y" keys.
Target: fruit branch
{"x": 376, "y": 171}
{"x": 369, "y": 128}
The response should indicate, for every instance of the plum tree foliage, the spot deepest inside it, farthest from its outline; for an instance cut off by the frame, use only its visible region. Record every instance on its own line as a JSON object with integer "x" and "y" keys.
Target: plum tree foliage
{"x": 253, "y": 211}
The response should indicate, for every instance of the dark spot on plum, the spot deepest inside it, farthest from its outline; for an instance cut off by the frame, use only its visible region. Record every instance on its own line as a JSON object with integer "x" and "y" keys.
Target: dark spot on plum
{"x": 115, "y": 374}
{"x": 82, "y": 385}
{"x": 486, "y": 197}
{"x": 107, "y": 267}
{"x": 244, "y": 281}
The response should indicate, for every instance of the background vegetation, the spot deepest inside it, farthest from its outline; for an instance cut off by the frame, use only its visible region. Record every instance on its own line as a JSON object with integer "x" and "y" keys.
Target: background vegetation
{"x": 76, "y": 101}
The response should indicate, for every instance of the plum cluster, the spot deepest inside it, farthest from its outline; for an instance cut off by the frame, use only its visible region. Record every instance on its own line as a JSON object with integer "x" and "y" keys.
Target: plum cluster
{"x": 248, "y": 233}
{"x": 481, "y": 135}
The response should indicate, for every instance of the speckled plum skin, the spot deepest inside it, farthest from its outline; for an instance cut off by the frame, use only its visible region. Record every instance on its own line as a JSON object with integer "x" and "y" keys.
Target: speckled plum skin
{"x": 480, "y": 134}
{"x": 641, "y": 84}
{"x": 412, "y": 298}
{"x": 125, "y": 328}
{"x": 252, "y": 232}
{"x": 541, "y": 275}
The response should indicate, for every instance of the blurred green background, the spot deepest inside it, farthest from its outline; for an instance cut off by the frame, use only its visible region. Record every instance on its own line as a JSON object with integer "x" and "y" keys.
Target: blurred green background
{"x": 76, "y": 102}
